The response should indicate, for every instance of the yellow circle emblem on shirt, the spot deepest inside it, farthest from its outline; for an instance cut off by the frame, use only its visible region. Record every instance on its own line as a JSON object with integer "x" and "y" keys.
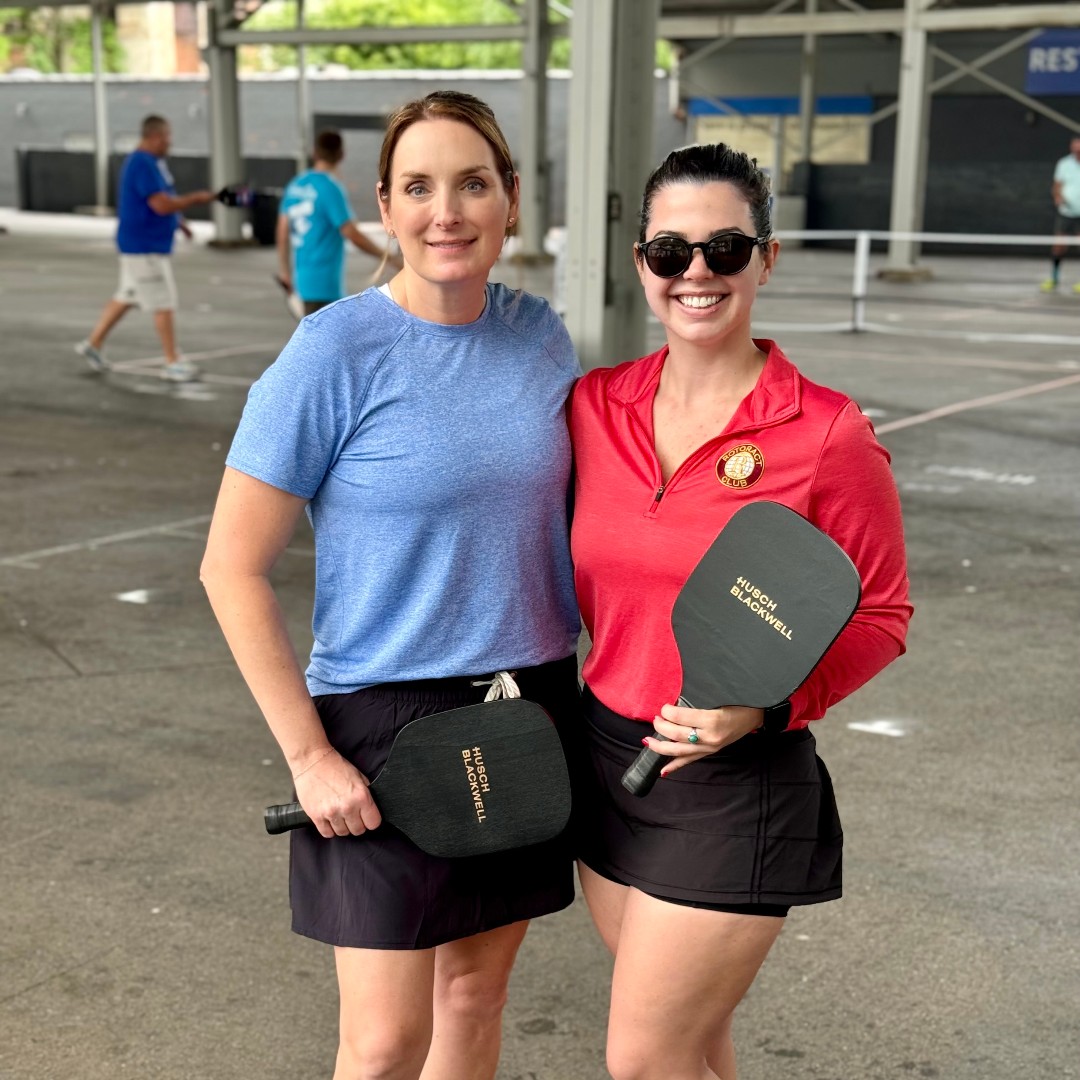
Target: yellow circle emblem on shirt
{"x": 741, "y": 466}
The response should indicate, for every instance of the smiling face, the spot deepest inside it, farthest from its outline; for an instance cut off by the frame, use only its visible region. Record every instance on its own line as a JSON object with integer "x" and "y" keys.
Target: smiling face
{"x": 447, "y": 204}
{"x": 700, "y": 308}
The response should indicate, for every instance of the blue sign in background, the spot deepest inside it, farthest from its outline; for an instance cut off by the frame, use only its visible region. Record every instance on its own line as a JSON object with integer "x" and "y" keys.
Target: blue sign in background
{"x": 1053, "y": 65}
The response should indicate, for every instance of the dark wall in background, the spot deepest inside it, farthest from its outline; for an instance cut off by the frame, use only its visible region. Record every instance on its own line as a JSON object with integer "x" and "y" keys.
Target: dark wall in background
{"x": 990, "y": 170}
{"x": 986, "y": 128}
{"x": 991, "y": 158}
{"x": 62, "y": 181}
{"x": 59, "y": 115}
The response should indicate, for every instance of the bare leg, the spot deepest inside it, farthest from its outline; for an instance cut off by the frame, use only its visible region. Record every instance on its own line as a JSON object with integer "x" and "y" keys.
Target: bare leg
{"x": 607, "y": 901}
{"x": 471, "y": 978}
{"x": 385, "y": 1025}
{"x": 166, "y": 330}
{"x": 721, "y": 1056}
{"x": 671, "y": 1007}
{"x": 113, "y": 312}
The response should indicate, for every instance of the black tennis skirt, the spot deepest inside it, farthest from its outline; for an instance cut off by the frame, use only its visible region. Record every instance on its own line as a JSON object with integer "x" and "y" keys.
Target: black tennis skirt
{"x": 379, "y": 890}
{"x": 755, "y": 823}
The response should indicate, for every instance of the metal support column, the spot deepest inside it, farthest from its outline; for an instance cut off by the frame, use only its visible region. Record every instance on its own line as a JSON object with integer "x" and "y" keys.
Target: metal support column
{"x": 909, "y": 164}
{"x": 303, "y": 97}
{"x": 101, "y": 111}
{"x": 609, "y": 157}
{"x": 226, "y": 161}
{"x": 534, "y": 165}
{"x": 808, "y": 90}
{"x": 777, "y": 178}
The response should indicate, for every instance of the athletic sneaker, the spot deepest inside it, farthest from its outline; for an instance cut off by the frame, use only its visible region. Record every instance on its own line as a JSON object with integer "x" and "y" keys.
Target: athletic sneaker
{"x": 181, "y": 371}
{"x": 92, "y": 356}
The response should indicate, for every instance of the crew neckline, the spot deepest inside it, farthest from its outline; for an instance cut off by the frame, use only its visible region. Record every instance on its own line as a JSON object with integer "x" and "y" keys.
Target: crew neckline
{"x": 429, "y": 325}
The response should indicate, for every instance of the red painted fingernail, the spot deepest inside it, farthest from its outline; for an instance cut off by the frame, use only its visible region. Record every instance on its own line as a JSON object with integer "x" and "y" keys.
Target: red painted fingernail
{"x": 664, "y": 772}
{"x": 644, "y": 742}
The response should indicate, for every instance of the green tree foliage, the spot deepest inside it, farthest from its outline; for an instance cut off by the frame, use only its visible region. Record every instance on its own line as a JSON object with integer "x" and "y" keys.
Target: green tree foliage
{"x": 53, "y": 41}
{"x": 330, "y": 14}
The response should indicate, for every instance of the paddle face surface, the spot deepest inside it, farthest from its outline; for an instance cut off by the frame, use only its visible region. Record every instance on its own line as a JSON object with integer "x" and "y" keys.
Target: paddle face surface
{"x": 761, "y": 607}
{"x": 473, "y": 781}
{"x": 759, "y": 610}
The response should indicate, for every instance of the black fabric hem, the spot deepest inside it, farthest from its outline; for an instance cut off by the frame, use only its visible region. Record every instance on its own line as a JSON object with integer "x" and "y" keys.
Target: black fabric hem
{"x": 663, "y": 891}
{"x": 435, "y": 940}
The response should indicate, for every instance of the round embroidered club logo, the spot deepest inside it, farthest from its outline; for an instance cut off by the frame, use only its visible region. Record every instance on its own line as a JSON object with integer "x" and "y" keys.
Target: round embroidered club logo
{"x": 741, "y": 466}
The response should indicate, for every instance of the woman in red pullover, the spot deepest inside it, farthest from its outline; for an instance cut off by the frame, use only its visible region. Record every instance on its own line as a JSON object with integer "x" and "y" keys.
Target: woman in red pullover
{"x": 743, "y": 823}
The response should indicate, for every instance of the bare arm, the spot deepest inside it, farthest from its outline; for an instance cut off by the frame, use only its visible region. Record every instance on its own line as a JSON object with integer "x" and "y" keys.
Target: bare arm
{"x": 350, "y": 231}
{"x": 1055, "y": 192}
{"x": 163, "y": 203}
{"x": 281, "y": 242}
{"x": 253, "y": 522}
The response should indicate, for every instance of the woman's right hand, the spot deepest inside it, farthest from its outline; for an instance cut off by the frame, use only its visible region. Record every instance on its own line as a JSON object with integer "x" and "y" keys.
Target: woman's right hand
{"x": 336, "y": 796}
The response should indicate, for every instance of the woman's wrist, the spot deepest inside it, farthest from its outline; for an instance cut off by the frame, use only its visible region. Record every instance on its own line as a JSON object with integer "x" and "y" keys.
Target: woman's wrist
{"x": 303, "y": 762}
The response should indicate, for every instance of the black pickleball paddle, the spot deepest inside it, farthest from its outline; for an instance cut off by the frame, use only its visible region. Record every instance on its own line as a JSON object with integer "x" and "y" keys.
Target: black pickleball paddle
{"x": 470, "y": 781}
{"x": 757, "y": 613}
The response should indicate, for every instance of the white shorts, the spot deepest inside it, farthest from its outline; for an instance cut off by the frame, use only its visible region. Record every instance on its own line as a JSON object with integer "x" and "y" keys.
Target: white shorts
{"x": 147, "y": 281}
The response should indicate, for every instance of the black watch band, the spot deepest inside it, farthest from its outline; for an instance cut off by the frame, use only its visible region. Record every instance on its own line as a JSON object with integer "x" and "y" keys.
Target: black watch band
{"x": 776, "y": 719}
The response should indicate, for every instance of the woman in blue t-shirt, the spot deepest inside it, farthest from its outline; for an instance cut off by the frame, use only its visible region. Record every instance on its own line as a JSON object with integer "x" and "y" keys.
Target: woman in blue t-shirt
{"x": 422, "y": 427}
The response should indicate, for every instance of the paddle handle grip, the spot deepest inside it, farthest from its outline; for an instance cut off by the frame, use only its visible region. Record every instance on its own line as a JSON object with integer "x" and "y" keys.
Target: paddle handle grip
{"x": 283, "y": 817}
{"x": 645, "y": 770}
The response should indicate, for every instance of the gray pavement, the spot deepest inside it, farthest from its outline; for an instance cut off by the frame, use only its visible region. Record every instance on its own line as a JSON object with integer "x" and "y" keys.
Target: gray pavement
{"x": 143, "y": 913}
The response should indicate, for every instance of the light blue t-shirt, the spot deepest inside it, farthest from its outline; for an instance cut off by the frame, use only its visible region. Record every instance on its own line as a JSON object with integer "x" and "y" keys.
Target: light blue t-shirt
{"x": 436, "y": 460}
{"x": 1067, "y": 174}
{"x": 317, "y": 206}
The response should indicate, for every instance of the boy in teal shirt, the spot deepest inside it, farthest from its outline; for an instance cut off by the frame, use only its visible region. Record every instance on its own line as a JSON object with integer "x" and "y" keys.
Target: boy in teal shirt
{"x": 314, "y": 221}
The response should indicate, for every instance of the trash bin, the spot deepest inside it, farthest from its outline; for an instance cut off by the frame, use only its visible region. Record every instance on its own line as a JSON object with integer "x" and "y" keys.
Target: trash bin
{"x": 264, "y": 214}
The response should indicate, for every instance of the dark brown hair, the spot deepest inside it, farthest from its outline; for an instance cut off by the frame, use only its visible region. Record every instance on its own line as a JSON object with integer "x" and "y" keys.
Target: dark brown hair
{"x": 447, "y": 105}
{"x": 329, "y": 146}
{"x": 152, "y": 125}
{"x": 707, "y": 163}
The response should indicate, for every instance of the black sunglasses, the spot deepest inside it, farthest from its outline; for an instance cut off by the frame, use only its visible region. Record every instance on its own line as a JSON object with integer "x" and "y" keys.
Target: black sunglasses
{"x": 669, "y": 256}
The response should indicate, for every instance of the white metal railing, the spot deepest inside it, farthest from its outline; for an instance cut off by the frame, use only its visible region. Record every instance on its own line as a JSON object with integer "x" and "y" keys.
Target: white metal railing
{"x": 862, "y": 240}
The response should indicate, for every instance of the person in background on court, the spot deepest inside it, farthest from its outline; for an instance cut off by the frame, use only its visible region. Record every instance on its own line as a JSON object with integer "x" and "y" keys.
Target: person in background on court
{"x": 1066, "y": 195}
{"x": 149, "y": 213}
{"x": 314, "y": 221}
{"x": 422, "y": 425}
{"x": 689, "y": 886}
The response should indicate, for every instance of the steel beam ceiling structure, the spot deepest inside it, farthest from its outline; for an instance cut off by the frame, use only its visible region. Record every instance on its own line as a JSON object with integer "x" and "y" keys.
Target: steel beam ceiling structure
{"x": 711, "y": 23}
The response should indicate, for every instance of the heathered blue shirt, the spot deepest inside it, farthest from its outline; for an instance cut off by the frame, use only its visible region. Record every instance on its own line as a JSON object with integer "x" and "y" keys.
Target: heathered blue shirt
{"x": 317, "y": 206}
{"x": 436, "y": 460}
{"x": 141, "y": 231}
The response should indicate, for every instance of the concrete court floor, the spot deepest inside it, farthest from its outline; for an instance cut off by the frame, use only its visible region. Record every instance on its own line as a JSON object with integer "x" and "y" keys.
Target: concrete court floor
{"x": 143, "y": 912}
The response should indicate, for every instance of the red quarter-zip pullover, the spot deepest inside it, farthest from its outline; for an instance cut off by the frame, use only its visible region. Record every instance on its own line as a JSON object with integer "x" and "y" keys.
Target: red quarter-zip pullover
{"x": 636, "y": 540}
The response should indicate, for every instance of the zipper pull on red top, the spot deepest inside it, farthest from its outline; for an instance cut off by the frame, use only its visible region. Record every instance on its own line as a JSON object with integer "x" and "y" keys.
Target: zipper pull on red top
{"x": 659, "y": 493}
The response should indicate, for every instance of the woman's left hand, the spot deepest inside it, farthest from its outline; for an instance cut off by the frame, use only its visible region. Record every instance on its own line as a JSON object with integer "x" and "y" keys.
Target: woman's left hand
{"x": 696, "y": 733}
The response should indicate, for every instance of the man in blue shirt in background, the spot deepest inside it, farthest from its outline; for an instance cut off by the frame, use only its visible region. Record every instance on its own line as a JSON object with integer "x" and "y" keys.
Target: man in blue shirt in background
{"x": 148, "y": 210}
{"x": 314, "y": 221}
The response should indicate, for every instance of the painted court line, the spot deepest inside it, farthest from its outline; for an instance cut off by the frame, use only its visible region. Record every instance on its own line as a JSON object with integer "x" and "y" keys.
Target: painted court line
{"x": 976, "y": 403}
{"x": 895, "y": 729}
{"x": 211, "y": 354}
{"x": 937, "y": 360}
{"x": 29, "y": 558}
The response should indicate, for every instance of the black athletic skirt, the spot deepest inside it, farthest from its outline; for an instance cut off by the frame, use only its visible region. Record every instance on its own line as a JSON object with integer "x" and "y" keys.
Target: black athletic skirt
{"x": 379, "y": 890}
{"x": 755, "y": 823}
